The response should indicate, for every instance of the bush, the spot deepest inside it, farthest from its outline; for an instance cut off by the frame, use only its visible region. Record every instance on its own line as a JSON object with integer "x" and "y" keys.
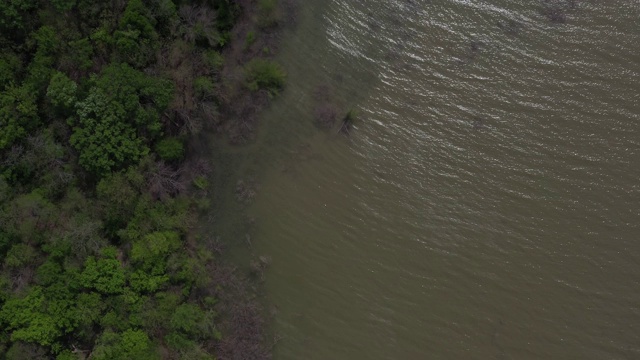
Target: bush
{"x": 170, "y": 149}
{"x": 249, "y": 39}
{"x": 262, "y": 74}
{"x": 214, "y": 60}
{"x": 268, "y": 13}
{"x": 204, "y": 87}
{"x": 201, "y": 182}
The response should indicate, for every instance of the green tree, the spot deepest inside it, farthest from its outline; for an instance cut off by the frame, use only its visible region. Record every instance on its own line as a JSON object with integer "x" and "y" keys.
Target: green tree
{"x": 103, "y": 137}
{"x": 24, "y": 351}
{"x": 190, "y": 320}
{"x": 151, "y": 216}
{"x": 47, "y": 44}
{"x": 117, "y": 196}
{"x": 63, "y": 5}
{"x": 89, "y": 310}
{"x": 145, "y": 282}
{"x": 80, "y": 54}
{"x": 28, "y": 320}
{"x": 62, "y": 91}
{"x": 136, "y": 39}
{"x": 157, "y": 311}
{"x": 41, "y": 162}
{"x": 29, "y": 216}
{"x": 20, "y": 255}
{"x": 10, "y": 67}
{"x": 18, "y": 114}
{"x": 13, "y": 14}
{"x": 130, "y": 344}
{"x": 155, "y": 247}
{"x": 106, "y": 275}
{"x": 189, "y": 324}
{"x": 69, "y": 355}
{"x": 118, "y": 119}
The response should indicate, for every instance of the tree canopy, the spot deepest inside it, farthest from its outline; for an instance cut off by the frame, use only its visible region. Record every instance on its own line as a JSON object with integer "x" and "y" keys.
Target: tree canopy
{"x": 98, "y": 193}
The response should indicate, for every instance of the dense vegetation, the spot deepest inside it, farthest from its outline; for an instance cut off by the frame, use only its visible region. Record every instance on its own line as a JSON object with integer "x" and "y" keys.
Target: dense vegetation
{"x": 98, "y": 189}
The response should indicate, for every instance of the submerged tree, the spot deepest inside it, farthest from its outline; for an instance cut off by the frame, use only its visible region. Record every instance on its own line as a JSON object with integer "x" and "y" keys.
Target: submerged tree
{"x": 347, "y": 122}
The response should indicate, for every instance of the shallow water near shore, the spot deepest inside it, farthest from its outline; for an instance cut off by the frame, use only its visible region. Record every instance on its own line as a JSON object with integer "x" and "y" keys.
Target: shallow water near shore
{"x": 486, "y": 204}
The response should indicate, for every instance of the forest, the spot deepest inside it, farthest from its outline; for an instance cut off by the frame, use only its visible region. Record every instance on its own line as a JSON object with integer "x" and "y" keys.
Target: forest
{"x": 100, "y": 189}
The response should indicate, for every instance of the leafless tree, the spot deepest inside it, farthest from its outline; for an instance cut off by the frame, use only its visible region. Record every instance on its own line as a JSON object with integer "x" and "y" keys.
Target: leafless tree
{"x": 164, "y": 181}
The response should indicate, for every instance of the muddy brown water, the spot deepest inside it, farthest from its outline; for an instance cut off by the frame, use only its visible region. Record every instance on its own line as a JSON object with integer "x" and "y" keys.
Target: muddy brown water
{"x": 487, "y": 202}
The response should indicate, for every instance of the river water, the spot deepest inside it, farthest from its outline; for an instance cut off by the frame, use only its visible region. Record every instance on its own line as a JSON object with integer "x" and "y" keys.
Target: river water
{"x": 487, "y": 202}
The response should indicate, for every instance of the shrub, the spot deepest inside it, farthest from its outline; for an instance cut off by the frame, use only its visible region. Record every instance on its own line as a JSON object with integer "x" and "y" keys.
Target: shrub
{"x": 249, "y": 39}
{"x": 214, "y": 60}
{"x": 204, "y": 87}
{"x": 201, "y": 182}
{"x": 268, "y": 13}
{"x": 262, "y": 74}
{"x": 170, "y": 149}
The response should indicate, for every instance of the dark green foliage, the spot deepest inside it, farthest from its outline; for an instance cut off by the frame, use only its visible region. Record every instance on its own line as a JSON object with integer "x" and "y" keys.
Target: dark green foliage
{"x": 104, "y": 137}
{"x": 13, "y": 14}
{"x": 20, "y": 255}
{"x": 118, "y": 195}
{"x": 118, "y": 118}
{"x": 5, "y": 243}
{"x": 166, "y": 16}
{"x": 179, "y": 342}
{"x": 10, "y": 66}
{"x": 25, "y": 351}
{"x": 80, "y": 54}
{"x": 38, "y": 161}
{"x": 136, "y": 18}
{"x": 227, "y": 11}
{"x": 262, "y": 74}
{"x": 151, "y": 216}
{"x": 29, "y": 217}
{"x": 63, "y": 5}
{"x": 170, "y": 149}
{"x": 68, "y": 355}
{"x": 191, "y": 321}
{"x": 18, "y": 114}
{"x": 89, "y": 308}
{"x": 62, "y": 91}
{"x": 47, "y": 44}
{"x": 136, "y": 39}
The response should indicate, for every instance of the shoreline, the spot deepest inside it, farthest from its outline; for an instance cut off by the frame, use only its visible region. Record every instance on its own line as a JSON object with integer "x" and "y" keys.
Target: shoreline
{"x": 244, "y": 306}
